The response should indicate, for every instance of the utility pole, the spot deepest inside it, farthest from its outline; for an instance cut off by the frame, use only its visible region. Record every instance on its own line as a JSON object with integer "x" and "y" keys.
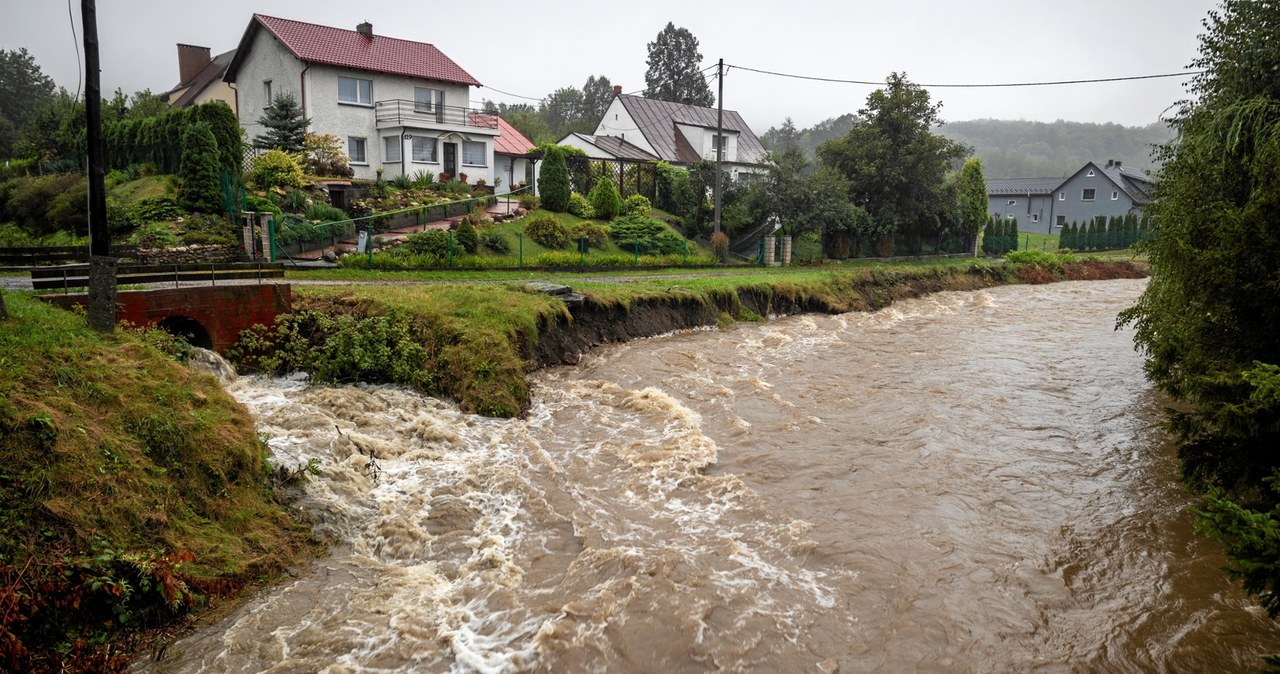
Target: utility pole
{"x": 719, "y": 139}
{"x": 102, "y": 267}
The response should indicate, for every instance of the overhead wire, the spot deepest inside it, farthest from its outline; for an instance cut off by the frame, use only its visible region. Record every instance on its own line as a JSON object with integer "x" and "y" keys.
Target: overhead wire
{"x": 1095, "y": 80}
{"x": 76, "y": 41}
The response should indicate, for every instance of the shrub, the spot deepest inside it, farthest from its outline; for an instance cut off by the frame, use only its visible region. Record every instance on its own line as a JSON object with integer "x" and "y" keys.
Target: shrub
{"x": 529, "y": 201}
{"x": 324, "y": 156}
{"x": 120, "y": 218}
{"x": 466, "y": 236}
{"x": 154, "y": 235}
{"x": 28, "y": 200}
{"x": 206, "y": 229}
{"x": 200, "y": 177}
{"x": 579, "y": 206}
{"x": 324, "y": 213}
{"x": 257, "y": 204}
{"x": 646, "y": 235}
{"x": 402, "y": 181}
{"x": 295, "y": 201}
{"x": 116, "y": 177}
{"x": 153, "y": 209}
{"x": 637, "y": 204}
{"x": 720, "y": 245}
{"x": 496, "y": 242}
{"x": 547, "y": 230}
{"x": 68, "y": 210}
{"x": 276, "y": 168}
{"x": 553, "y": 183}
{"x": 432, "y": 242}
{"x": 605, "y": 199}
{"x": 597, "y": 234}
{"x": 423, "y": 179}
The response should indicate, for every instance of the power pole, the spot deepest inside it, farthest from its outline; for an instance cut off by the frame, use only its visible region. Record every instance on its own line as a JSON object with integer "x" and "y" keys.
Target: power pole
{"x": 719, "y": 138}
{"x": 102, "y": 267}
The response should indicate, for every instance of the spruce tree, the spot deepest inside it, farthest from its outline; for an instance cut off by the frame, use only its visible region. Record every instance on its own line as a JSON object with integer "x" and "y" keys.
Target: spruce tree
{"x": 553, "y": 182}
{"x": 199, "y": 175}
{"x": 1013, "y": 234}
{"x": 1067, "y": 240}
{"x": 286, "y": 128}
{"x": 605, "y": 200}
{"x": 988, "y": 236}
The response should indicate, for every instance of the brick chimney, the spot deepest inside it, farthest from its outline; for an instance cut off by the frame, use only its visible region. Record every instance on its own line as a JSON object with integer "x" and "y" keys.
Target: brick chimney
{"x": 617, "y": 90}
{"x": 365, "y": 29}
{"x": 191, "y": 60}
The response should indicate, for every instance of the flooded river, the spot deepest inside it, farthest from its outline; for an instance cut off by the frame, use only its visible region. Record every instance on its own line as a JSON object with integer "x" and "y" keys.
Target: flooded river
{"x": 963, "y": 482}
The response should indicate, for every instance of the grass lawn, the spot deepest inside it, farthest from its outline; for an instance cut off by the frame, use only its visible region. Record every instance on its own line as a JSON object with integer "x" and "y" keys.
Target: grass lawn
{"x": 142, "y": 188}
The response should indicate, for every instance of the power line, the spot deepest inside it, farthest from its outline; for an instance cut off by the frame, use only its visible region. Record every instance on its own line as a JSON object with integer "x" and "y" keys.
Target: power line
{"x": 508, "y": 93}
{"x": 970, "y": 86}
{"x": 76, "y": 41}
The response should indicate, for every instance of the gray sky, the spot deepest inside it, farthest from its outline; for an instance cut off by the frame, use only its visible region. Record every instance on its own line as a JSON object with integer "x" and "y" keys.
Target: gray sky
{"x": 532, "y": 48}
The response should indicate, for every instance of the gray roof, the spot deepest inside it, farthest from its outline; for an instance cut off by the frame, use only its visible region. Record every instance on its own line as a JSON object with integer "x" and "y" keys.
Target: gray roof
{"x": 1023, "y": 186}
{"x": 657, "y": 121}
{"x": 210, "y": 73}
{"x": 618, "y": 147}
{"x": 1135, "y": 183}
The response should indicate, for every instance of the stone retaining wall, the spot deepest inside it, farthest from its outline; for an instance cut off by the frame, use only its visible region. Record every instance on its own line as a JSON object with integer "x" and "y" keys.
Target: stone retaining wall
{"x": 194, "y": 254}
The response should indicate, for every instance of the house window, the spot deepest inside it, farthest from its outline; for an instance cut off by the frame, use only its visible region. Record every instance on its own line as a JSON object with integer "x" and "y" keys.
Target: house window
{"x": 427, "y": 100}
{"x": 1035, "y": 217}
{"x": 356, "y": 91}
{"x": 1114, "y": 195}
{"x": 266, "y": 90}
{"x": 1013, "y": 202}
{"x": 424, "y": 149}
{"x": 391, "y": 148}
{"x": 1090, "y": 173}
{"x": 1087, "y": 194}
{"x": 1009, "y": 216}
{"x": 1062, "y": 221}
{"x": 1062, "y": 196}
{"x": 473, "y": 153}
{"x": 355, "y": 150}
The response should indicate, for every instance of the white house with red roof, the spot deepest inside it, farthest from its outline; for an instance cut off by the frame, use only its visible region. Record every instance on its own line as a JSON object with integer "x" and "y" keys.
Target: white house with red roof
{"x": 399, "y": 106}
{"x": 511, "y": 162}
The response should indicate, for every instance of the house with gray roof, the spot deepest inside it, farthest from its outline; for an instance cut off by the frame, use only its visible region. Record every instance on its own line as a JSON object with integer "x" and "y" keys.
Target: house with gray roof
{"x": 677, "y": 133}
{"x": 1046, "y": 204}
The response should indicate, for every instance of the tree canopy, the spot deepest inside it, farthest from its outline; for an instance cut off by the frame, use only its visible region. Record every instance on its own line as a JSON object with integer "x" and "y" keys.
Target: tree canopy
{"x": 971, "y": 197}
{"x": 675, "y": 69}
{"x": 894, "y": 163}
{"x": 24, "y": 90}
{"x": 1206, "y": 321}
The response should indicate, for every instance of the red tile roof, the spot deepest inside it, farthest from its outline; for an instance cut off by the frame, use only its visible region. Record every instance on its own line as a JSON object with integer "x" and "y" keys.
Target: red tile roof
{"x": 509, "y": 141}
{"x": 313, "y": 43}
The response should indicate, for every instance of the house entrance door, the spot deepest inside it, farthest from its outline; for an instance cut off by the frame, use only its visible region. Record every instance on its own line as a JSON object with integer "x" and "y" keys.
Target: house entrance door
{"x": 451, "y": 159}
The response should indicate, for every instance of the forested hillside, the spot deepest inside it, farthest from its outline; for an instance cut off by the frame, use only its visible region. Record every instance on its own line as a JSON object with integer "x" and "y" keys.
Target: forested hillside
{"x": 1011, "y": 148}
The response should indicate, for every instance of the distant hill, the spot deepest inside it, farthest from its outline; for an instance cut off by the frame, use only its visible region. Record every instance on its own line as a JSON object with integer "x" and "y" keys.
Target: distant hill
{"x": 1015, "y": 148}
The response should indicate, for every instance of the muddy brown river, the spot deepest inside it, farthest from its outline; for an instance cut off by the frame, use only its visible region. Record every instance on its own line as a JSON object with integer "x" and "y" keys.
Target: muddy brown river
{"x": 969, "y": 482}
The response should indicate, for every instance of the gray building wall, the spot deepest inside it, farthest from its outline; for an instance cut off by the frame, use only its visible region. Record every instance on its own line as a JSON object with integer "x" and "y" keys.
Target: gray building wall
{"x": 1035, "y": 213}
{"x": 1108, "y": 199}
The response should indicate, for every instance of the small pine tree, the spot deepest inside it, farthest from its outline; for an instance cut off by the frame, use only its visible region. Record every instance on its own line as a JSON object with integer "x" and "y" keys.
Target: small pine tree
{"x": 553, "y": 182}
{"x": 1013, "y": 235}
{"x": 1064, "y": 238}
{"x": 1091, "y": 235}
{"x": 286, "y": 128}
{"x": 989, "y": 236}
{"x": 199, "y": 176}
{"x": 605, "y": 200}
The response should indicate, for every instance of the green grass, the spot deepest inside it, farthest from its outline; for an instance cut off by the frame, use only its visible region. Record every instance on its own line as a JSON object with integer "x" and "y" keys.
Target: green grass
{"x": 108, "y": 443}
{"x": 142, "y": 188}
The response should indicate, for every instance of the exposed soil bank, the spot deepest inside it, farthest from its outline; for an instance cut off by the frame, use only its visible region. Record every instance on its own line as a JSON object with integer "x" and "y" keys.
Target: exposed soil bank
{"x": 562, "y": 340}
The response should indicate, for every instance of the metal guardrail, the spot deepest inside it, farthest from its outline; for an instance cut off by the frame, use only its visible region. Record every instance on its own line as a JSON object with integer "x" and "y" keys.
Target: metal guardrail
{"x": 66, "y": 277}
{"x": 399, "y": 112}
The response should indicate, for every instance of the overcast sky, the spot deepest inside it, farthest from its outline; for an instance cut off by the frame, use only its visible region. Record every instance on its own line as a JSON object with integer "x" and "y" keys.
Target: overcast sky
{"x": 532, "y": 48}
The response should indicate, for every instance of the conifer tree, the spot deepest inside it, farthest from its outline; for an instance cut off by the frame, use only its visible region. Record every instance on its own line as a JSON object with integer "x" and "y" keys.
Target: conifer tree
{"x": 605, "y": 200}
{"x": 286, "y": 128}
{"x": 988, "y": 236}
{"x": 553, "y": 181}
{"x": 1013, "y": 234}
{"x": 199, "y": 175}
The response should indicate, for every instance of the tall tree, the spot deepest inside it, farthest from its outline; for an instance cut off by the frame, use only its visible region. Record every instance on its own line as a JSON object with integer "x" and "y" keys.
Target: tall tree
{"x": 782, "y": 139}
{"x": 553, "y": 182}
{"x": 597, "y": 93}
{"x": 563, "y": 111}
{"x": 675, "y": 69}
{"x": 24, "y": 90}
{"x": 201, "y": 190}
{"x": 893, "y": 161}
{"x": 285, "y": 127}
{"x": 1206, "y": 320}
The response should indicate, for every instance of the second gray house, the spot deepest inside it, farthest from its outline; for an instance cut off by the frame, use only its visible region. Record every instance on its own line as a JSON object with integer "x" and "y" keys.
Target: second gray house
{"x": 1046, "y": 204}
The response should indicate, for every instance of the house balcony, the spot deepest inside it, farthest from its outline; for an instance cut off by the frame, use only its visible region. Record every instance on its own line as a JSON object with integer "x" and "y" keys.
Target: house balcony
{"x": 414, "y": 114}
